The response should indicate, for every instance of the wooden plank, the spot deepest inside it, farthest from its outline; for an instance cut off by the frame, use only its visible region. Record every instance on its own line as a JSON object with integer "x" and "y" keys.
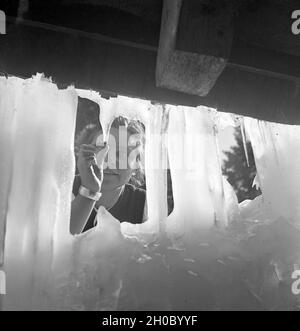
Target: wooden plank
{"x": 261, "y": 58}
{"x": 204, "y": 28}
{"x": 124, "y": 69}
{"x": 244, "y": 56}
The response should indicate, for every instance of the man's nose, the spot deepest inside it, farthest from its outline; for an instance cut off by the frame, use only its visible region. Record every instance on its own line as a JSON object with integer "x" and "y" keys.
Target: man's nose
{"x": 117, "y": 161}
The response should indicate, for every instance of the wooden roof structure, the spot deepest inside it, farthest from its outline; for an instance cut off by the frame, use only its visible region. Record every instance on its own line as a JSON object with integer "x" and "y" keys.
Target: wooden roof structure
{"x": 239, "y": 56}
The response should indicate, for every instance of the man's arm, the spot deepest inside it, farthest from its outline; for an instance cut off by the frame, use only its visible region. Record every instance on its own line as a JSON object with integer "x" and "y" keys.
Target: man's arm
{"x": 91, "y": 176}
{"x": 80, "y": 212}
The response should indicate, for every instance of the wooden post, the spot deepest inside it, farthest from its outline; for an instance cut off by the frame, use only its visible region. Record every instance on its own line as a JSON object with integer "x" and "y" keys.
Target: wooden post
{"x": 194, "y": 46}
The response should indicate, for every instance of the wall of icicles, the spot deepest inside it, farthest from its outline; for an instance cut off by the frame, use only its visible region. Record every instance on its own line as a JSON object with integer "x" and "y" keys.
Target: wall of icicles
{"x": 209, "y": 253}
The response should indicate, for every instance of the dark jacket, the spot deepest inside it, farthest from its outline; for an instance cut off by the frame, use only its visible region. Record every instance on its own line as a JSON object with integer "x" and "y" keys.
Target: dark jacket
{"x": 129, "y": 207}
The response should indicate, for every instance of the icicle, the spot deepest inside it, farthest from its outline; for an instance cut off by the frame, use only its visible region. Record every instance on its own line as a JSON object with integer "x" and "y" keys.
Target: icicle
{"x": 229, "y": 199}
{"x": 156, "y": 167}
{"x": 279, "y": 180}
{"x": 256, "y": 182}
{"x": 196, "y": 173}
{"x": 156, "y": 173}
{"x": 130, "y": 108}
{"x": 8, "y": 91}
{"x": 42, "y": 176}
{"x": 242, "y": 127}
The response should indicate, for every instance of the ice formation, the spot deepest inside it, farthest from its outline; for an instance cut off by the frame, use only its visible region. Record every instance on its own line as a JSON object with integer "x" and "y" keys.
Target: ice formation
{"x": 114, "y": 107}
{"x": 39, "y": 165}
{"x": 277, "y": 158}
{"x": 209, "y": 253}
{"x": 192, "y": 138}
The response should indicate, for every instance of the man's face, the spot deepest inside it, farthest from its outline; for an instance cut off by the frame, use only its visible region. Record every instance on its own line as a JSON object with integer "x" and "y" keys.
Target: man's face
{"x": 120, "y": 162}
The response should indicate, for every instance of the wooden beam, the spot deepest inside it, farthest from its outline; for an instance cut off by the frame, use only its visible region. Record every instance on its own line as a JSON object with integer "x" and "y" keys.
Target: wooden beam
{"x": 243, "y": 56}
{"x": 114, "y": 66}
{"x": 195, "y": 67}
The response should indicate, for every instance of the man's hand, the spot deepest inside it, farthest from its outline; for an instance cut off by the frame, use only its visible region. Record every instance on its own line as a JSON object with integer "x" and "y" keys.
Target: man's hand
{"x": 91, "y": 173}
